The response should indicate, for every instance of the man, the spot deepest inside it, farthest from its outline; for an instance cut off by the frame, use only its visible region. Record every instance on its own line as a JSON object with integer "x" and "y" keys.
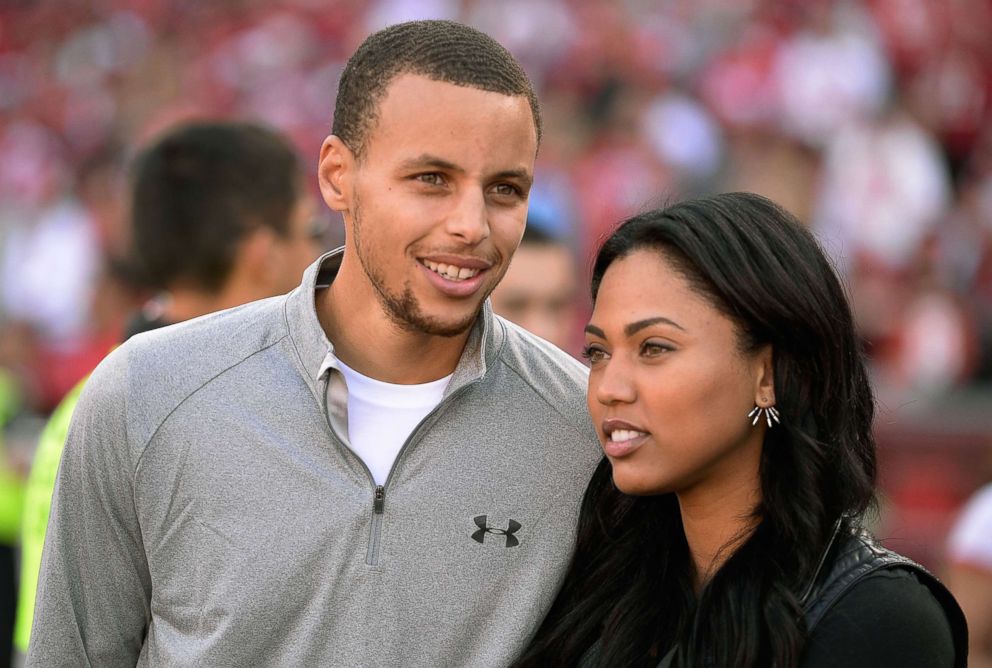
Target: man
{"x": 373, "y": 470}
{"x": 219, "y": 217}
{"x": 539, "y": 290}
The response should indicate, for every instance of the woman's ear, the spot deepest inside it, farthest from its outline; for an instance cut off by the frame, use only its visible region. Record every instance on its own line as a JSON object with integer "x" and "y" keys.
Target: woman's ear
{"x": 764, "y": 390}
{"x": 335, "y": 172}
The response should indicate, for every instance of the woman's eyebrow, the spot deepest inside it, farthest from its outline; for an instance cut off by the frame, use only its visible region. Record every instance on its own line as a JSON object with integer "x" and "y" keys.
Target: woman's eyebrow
{"x": 635, "y": 327}
{"x": 595, "y": 331}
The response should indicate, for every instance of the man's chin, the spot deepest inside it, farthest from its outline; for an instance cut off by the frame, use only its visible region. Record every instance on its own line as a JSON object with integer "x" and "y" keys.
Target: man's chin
{"x": 432, "y": 326}
{"x": 410, "y": 318}
{"x": 430, "y": 316}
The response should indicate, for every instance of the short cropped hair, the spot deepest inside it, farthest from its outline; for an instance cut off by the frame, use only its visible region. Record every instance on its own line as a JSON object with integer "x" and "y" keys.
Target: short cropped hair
{"x": 198, "y": 191}
{"x": 439, "y": 50}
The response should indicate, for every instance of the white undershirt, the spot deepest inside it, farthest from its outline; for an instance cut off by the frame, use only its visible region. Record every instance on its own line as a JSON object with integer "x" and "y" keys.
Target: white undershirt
{"x": 382, "y": 415}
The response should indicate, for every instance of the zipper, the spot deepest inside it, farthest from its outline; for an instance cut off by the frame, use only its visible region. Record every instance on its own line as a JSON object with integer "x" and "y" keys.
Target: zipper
{"x": 379, "y": 491}
{"x": 379, "y": 500}
{"x": 375, "y": 532}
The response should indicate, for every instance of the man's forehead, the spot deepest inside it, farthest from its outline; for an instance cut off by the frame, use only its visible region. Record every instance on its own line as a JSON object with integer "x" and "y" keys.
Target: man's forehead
{"x": 409, "y": 96}
{"x": 409, "y": 78}
{"x": 426, "y": 123}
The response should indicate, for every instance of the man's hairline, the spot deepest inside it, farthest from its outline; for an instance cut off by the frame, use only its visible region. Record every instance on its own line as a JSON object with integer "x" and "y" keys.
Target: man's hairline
{"x": 372, "y": 119}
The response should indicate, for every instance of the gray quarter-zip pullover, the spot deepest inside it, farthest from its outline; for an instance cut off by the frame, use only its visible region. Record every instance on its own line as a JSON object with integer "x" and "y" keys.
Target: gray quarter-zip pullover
{"x": 207, "y": 513}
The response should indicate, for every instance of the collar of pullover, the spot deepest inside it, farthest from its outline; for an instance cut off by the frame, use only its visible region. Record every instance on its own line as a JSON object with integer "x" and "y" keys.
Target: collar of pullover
{"x": 316, "y": 352}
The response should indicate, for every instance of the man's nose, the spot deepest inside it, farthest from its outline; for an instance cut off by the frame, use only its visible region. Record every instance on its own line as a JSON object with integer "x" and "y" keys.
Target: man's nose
{"x": 469, "y": 220}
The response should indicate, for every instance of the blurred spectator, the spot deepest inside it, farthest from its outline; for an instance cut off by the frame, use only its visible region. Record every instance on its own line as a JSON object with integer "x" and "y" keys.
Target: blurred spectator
{"x": 884, "y": 188}
{"x": 830, "y": 73}
{"x": 538, "y": 291}
{"x": 219, "y": 218}
{"x": 969, "y": 574}
{"x": 50, "y": 257}
{"x": 863, "y": 116}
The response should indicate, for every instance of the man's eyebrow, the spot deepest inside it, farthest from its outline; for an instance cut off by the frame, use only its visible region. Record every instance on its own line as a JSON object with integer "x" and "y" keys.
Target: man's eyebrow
{"x": 635, "y": 327}
{"x": 519, "y": 174}
{"x": 428, "y": 160}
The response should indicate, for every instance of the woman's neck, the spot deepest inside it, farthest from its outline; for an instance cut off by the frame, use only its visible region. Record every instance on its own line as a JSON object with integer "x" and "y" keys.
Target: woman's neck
{"x": 716, "y": 524}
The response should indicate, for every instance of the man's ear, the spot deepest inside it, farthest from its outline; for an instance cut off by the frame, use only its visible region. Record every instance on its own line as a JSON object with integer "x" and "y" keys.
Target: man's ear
{"x": 764, "y": 390}
{"x": 335, "y": 172}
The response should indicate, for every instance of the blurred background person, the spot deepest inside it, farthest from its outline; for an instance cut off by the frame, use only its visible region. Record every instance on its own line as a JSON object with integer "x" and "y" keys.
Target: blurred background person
{"x": 969, "y": 573}
{"x": 219, "y": 217}
{"x": 539, "y": 290}
{"x": 11, "y": 507}
{"x": 871, "y": 120}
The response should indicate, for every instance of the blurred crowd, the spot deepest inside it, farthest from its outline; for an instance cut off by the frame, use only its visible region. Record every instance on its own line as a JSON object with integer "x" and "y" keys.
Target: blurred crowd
{"x": 871, "y": 120}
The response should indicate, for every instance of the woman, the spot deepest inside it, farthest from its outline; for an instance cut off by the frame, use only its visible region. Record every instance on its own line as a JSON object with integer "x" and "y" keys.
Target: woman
{"x": 723, "y": 526}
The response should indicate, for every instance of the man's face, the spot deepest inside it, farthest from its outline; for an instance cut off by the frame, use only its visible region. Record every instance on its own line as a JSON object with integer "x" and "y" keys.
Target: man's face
{"x": 437, "y": 204}
{"x": 538, "y": 292}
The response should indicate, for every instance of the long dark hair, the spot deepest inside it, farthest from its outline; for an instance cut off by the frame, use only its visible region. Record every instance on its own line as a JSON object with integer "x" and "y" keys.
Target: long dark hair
{"x": 629, "y": 587}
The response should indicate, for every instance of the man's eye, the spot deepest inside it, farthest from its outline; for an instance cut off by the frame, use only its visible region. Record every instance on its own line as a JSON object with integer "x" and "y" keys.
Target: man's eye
{"x": 507, "y": 190}
{"x": 430, "y": 178}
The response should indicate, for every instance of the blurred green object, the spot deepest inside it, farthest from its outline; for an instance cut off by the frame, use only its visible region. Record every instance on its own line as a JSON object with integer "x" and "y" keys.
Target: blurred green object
{"x": 10, "y": 398}
{"x": 37, "y": 507}
{"x": 11, "y": 485}
{"x": 11, "y": 501}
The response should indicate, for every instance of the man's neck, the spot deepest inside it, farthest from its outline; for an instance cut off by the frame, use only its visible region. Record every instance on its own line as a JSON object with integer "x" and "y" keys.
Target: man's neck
{"x": 371, "y": 343}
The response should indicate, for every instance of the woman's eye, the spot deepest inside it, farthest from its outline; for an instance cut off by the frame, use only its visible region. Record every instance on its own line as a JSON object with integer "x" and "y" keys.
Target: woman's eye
{"x": 593, "y": 354}
{"x": 654, "y": 349}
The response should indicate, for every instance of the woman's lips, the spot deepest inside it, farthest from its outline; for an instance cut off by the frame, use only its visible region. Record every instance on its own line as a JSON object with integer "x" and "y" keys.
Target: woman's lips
{"x": 622, "y": 438}
{"x": 617, "y": 449}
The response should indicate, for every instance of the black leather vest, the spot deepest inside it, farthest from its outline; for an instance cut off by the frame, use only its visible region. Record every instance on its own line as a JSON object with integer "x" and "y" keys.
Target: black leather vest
{"x": 852, "y": 556}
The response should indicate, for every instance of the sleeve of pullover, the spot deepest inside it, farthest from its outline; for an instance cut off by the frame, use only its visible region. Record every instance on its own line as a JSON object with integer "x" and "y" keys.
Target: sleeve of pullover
{"x": 94, "y": 588}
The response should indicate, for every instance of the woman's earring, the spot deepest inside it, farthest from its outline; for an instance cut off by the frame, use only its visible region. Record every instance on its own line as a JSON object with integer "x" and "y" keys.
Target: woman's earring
{"x": 770, "y": 414}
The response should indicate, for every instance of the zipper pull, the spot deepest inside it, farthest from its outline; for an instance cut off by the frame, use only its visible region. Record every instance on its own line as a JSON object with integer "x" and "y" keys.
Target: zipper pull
{"x": 379, "y": 500}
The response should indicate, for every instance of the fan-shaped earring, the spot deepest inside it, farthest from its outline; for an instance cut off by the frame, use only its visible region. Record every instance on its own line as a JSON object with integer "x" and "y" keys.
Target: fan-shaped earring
{"x": 769, "y": 413}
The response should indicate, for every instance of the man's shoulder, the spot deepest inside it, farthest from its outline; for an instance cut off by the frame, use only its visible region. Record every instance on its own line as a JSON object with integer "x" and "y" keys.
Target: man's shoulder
{"x": 155, "y": 371}
{"x": 204, "y": 345}
{"x": 552, "y": 373}
{"x": 240, "y": 327}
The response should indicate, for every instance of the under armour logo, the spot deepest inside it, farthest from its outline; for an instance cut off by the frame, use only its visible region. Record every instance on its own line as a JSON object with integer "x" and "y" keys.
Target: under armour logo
{"x": 480, "y": 535}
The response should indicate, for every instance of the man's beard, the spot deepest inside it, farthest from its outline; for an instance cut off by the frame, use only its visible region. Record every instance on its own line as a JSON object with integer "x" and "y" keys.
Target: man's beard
{"x": 404, "y": 309}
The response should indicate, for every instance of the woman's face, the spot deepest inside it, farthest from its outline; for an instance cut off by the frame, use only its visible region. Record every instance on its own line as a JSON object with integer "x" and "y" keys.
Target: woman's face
{"x": 669, "y": 388}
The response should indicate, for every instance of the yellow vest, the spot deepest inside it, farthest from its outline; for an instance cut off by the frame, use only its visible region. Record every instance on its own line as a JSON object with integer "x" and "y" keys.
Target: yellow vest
{"x": 11, "y": 485}
{"x": 37, "y": 506}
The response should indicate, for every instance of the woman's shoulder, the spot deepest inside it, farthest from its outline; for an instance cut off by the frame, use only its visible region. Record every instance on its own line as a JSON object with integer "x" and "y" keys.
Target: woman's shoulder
{"x": 877, "y": 606}
{"x": 887, "y": 618}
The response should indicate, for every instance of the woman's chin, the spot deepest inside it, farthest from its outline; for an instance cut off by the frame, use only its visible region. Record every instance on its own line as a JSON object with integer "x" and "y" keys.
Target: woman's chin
{"x": 635, "y": 483}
